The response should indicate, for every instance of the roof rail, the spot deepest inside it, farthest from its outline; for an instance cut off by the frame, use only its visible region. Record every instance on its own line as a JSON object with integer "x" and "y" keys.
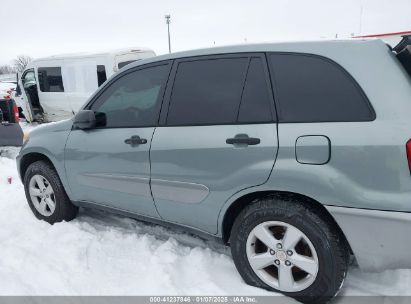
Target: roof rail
{"x": 405, "y": 41}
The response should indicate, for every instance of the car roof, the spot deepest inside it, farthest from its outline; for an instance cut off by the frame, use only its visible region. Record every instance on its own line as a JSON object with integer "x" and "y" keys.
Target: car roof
{"x": 370, "y": 62}
{"x": 97, "y": 54}
{"x": 321, "y": 47}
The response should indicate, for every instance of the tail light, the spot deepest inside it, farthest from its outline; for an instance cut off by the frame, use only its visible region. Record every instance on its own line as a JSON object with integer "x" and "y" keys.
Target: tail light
{"x": 17, "y": 116}
{"x": 408, "y": 148}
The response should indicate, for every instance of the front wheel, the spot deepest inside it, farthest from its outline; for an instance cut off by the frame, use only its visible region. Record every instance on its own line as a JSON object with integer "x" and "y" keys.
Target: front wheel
{"x": 46, "y": 195}
{"x": 286, "y": 246}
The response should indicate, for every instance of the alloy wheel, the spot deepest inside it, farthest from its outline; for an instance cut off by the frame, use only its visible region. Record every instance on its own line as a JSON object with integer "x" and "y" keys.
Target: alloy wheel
{"x": 42, "y": 195}
{"x": 282, "y": 256}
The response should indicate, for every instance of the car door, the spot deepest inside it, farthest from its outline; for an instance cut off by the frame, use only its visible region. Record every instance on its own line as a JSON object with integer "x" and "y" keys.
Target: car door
{"x": 109, "y": 165}
{"x": 218, "y": 137}
{"x": 26, "y": 83}
{"x": 52, "y": 92}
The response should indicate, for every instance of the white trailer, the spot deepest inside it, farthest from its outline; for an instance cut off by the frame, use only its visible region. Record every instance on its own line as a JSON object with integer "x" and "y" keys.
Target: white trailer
{"x": 54, "y": 88}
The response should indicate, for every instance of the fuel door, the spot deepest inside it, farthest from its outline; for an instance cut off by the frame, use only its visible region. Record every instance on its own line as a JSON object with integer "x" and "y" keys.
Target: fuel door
{"x": 313, "y": 149}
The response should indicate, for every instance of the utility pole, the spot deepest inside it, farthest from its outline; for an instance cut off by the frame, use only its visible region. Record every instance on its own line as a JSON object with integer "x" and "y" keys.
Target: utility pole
{"x": 361, "y": 12}
{"x": 168, "y": 20}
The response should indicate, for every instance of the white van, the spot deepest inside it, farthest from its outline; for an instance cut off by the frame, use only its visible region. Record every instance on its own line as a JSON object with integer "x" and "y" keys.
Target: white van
{"x": 54, "y": 88}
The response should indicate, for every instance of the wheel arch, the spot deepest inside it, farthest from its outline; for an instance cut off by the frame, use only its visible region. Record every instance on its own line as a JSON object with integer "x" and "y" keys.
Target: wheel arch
{"x": 240, "y": 203}
{"x": 29, "y": 158}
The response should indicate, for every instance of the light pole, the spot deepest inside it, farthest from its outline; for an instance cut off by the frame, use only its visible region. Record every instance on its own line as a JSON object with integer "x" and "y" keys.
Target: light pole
{"x": 168, "y": 20}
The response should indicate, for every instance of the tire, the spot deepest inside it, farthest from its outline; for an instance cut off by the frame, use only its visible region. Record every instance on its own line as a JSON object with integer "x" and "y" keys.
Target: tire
{"x": 58, "y": 207}
{"x": 320, "y": 243}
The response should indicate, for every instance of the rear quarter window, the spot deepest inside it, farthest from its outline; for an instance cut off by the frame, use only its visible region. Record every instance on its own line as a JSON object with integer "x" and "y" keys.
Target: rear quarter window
{"x": 311, "y": 88}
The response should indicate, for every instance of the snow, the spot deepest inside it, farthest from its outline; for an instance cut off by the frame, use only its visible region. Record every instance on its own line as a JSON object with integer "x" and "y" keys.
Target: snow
{"x": 104, "y": 254}
{"x": 5, "y": 86}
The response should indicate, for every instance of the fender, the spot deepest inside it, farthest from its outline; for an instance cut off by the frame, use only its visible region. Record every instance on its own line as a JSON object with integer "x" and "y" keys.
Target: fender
{"x": 51, "y": 146}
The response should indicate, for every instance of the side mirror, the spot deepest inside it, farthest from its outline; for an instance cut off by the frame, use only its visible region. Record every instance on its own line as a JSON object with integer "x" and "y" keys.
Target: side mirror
{"x": 84, "y": 119}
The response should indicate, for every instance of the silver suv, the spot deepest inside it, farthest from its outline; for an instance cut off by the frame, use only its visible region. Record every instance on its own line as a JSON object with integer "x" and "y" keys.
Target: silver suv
{"x": 297, "y": 155}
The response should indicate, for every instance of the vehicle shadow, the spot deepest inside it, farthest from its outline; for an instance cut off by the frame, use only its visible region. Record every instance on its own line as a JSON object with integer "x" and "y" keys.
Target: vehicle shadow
{"x": 102, "y": 220}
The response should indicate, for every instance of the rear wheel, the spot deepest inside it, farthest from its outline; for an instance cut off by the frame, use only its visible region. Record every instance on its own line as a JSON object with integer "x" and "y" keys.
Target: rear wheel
{"x": 285, "y": 246}
{"x": 46, "y": 195}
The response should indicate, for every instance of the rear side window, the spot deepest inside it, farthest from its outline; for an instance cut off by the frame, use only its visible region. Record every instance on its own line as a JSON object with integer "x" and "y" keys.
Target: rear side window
{"x": 255, "y": 101}
{"x": 207, "y": 92}
{"x": 314, "y": 89}
{"x": 220, "y": 91}
{"x": 50, "y": 79}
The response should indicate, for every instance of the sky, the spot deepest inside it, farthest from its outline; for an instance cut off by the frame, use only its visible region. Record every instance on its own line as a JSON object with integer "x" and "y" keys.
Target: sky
{"x": 51, "y": 27}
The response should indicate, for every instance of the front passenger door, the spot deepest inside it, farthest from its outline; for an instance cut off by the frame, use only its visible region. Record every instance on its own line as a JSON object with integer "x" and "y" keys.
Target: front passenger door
{"x": 110, "y": 164}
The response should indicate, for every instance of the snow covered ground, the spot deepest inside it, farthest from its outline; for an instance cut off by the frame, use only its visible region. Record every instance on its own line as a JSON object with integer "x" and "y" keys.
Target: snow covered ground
{"x": 104, "y": 254}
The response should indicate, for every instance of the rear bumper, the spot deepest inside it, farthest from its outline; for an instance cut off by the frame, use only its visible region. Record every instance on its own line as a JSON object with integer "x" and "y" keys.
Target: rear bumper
{"x": 11, "y": 135}
{"x": 379, "y": 239}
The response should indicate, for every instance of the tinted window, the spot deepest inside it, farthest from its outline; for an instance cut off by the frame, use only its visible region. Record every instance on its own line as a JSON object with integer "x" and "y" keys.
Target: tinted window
{"x": 132, "y": 100}
{"x": 101, "y": 74}
{"x": 207, "y": 92}
{"x": 314, "y": 89}
{"x": 50, "y": 79}
{"x": 124, "y": 63}
{"x": 255, "y": 102}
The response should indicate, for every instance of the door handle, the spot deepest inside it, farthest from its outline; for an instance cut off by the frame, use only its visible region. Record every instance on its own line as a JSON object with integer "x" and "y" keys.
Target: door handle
{"x": 135, "y": 140}
{"x": 243, "y": 139}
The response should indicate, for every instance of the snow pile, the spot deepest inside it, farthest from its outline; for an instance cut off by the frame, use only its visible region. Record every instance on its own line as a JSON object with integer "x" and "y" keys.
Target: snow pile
{"x": 103, "y": 254}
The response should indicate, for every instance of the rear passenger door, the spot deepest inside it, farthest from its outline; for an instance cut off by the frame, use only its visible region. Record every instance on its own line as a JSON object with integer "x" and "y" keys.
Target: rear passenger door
{"x": 217, "y": 136}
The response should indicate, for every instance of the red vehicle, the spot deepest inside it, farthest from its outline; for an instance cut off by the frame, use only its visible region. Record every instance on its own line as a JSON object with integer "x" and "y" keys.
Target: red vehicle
{"x": 10, "y": 130}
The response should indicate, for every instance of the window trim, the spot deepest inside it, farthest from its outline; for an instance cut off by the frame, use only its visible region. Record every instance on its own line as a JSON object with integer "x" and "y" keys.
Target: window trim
{"x": 332, "y": 62}
{"x": 167, "y": 98}
{"x": 109, "y": 82}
